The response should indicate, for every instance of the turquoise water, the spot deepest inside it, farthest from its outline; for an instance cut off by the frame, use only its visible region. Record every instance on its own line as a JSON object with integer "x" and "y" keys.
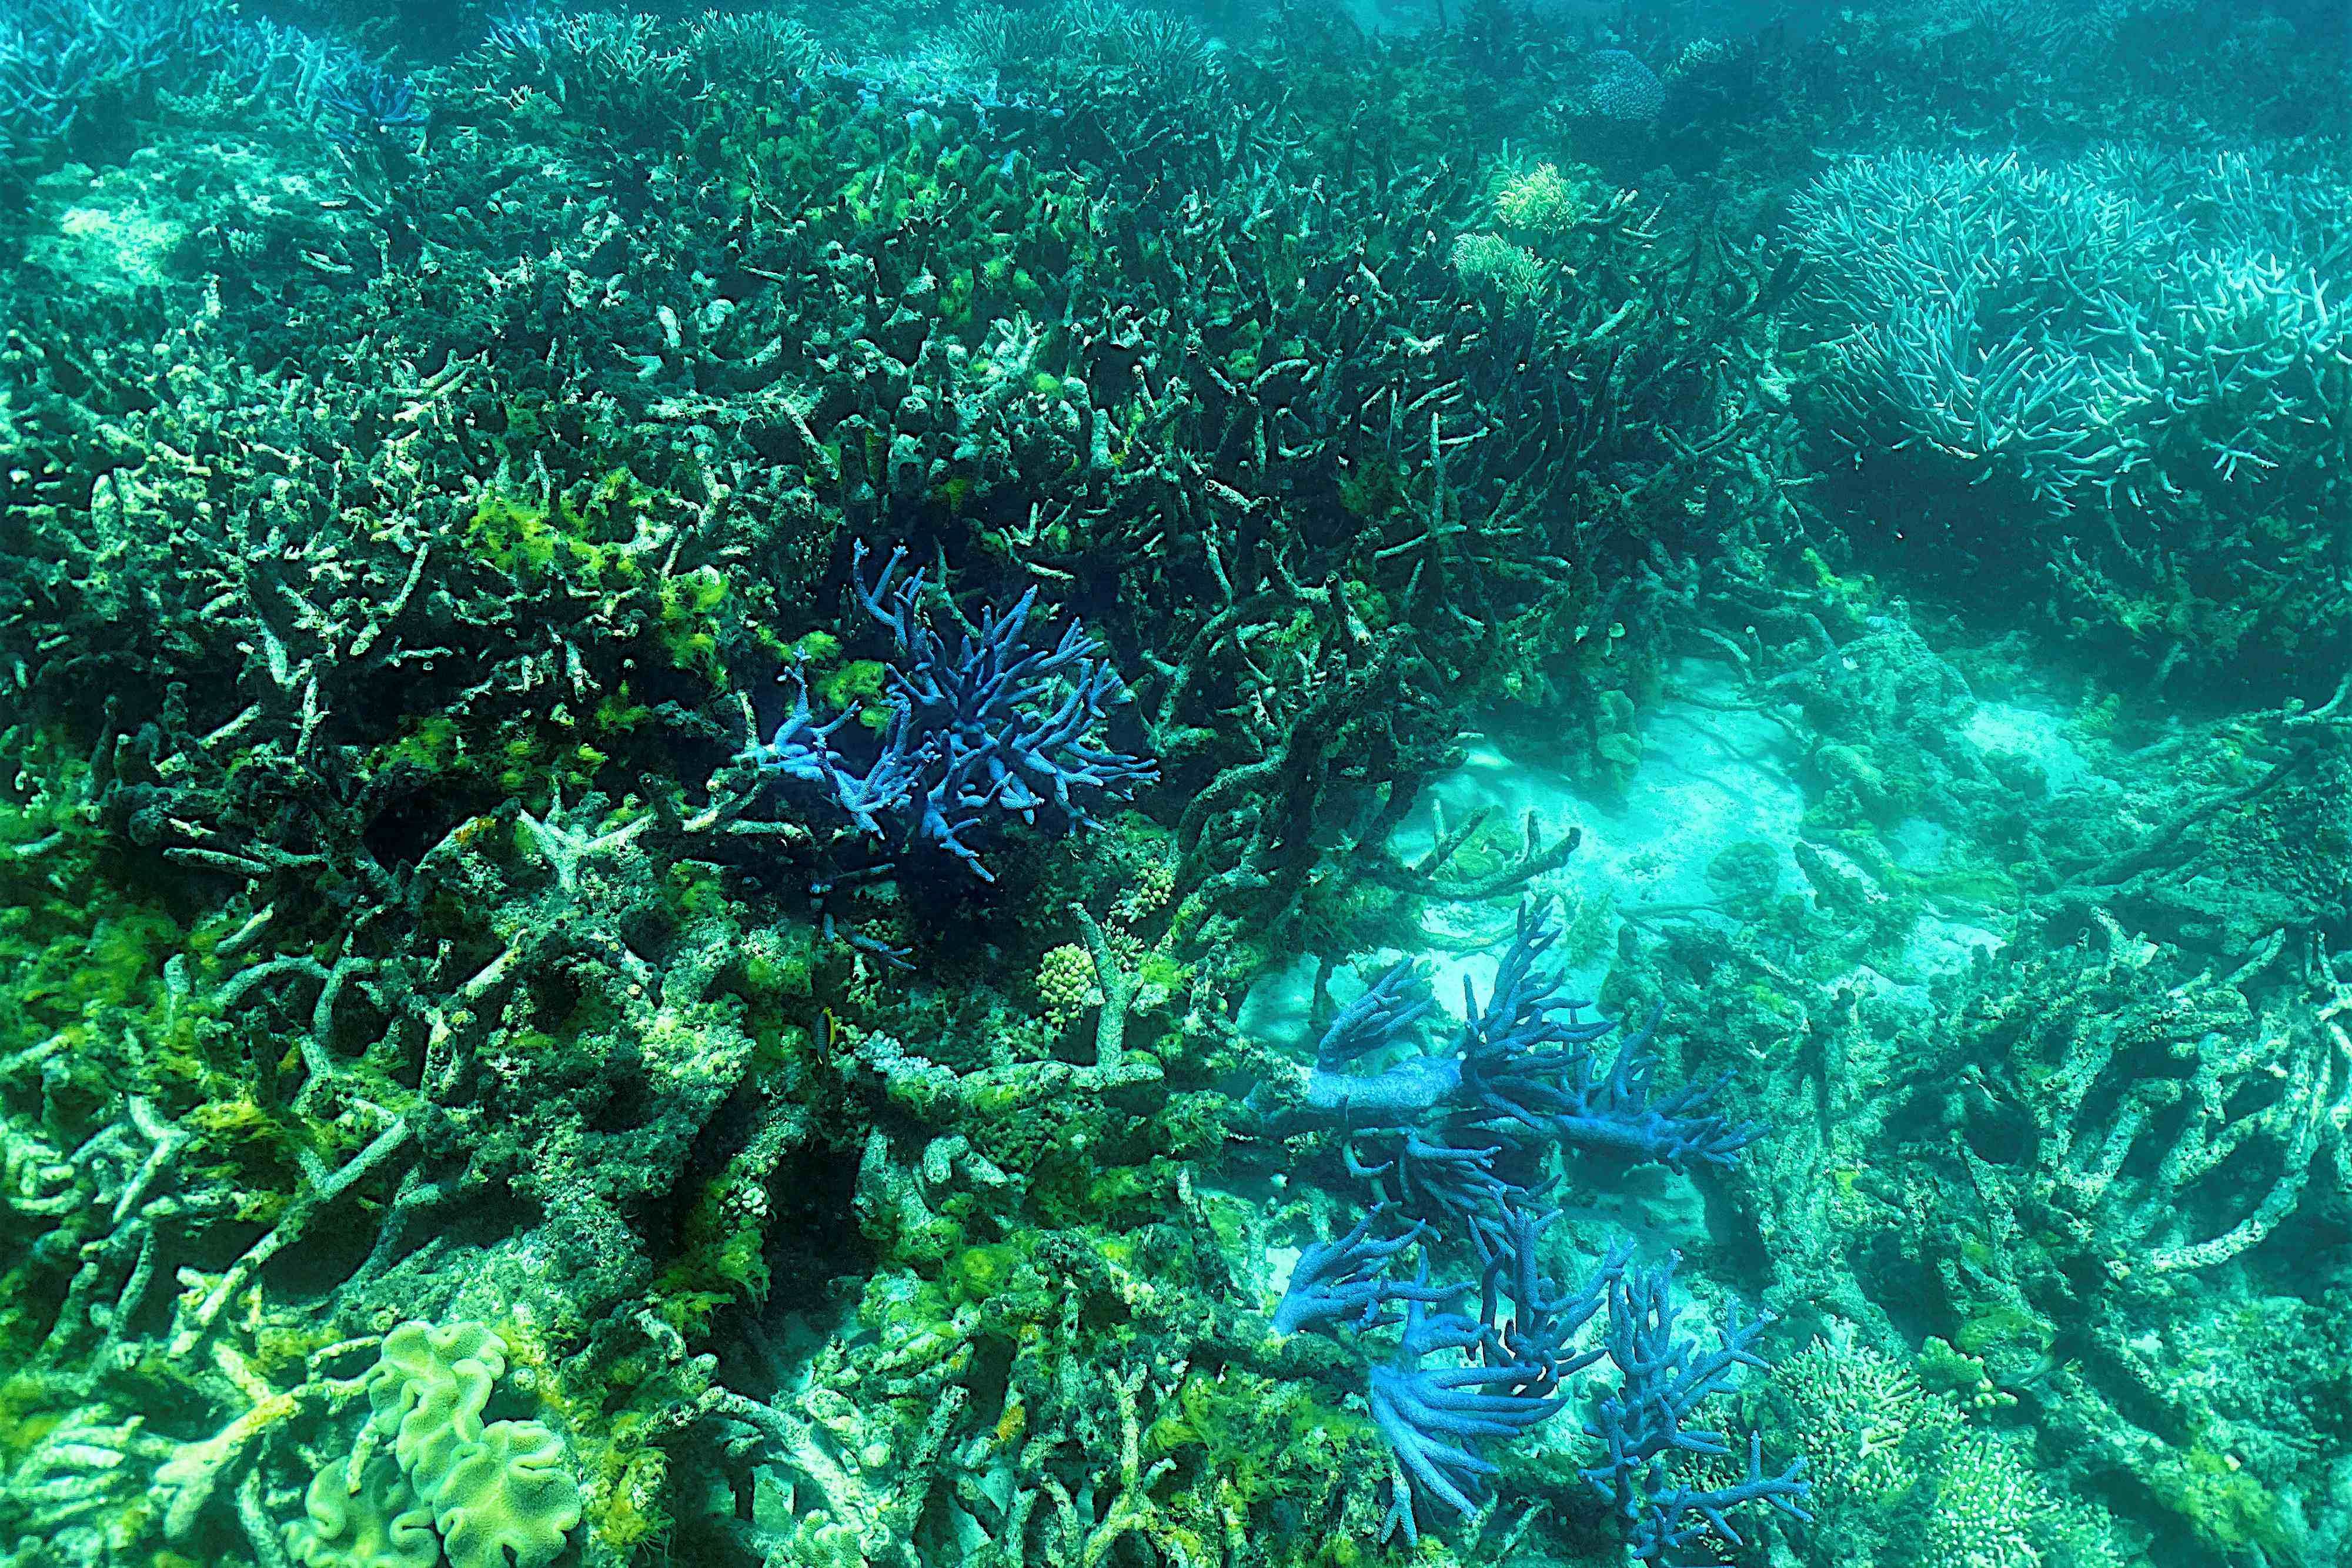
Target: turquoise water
{"x": 1096, "y": 786}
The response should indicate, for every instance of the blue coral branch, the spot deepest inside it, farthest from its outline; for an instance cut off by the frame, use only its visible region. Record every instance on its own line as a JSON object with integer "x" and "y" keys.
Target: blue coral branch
{"x": 1541, "y": 1327}
{"x": 1430, "y": 1417}
{"x": 1377, "y": 1020}
{"x": 1433, "y": 1179}
{"x": 994, "y": 728}
{"x": 1527, "y": 1056}
{"x": 1345, "y": 1281}
{"x": 1667, "y": 1377}
{"x": 1679, "y": 1517}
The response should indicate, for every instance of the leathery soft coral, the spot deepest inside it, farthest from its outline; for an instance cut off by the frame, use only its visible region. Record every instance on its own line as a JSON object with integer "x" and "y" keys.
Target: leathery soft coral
{"x": 489, "y": 1490}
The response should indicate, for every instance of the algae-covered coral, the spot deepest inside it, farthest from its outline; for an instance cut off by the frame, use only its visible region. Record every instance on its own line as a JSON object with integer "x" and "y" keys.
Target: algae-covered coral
{"x": 1084, "y": 784}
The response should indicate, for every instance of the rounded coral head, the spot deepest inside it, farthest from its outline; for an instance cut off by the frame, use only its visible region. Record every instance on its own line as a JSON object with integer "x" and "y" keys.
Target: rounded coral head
{"x": 1624, "y": 88}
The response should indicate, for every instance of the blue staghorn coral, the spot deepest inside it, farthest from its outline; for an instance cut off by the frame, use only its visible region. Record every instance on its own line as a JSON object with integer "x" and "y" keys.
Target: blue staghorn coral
{"x": 367, "y": 103}
{"x": 1642, "y": 1426}
{"x": 1431, "y": 1415}
{"x": 1470, "y": 1128}
{"x": 1526, "y": 1057}
{"x": 994, "y": 726}
{"x": 56, "y": 54}
{"x": 1343, "y": 1281}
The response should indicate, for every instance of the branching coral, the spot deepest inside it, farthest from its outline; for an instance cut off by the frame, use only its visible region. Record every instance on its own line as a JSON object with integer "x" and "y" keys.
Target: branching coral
{"x": 2127, "y": 1131}
{"x": 2136, "y": 1057}
{"x": 1855, "y": 1412}
{"x": 1524, "y": 1074}
{"x": 1643, "y": 1425}
{"x": 56, "y": 55}
{"x": 994, "y": 727}
{"x": 2141, "y": 347}
{"x": 1524, "y": 1058}
{"x": 1987, "y": 1508}
{"x": 1430, "y": 1417}
{"x": 2164, "y": 328}
{"x": 1346, "y": 1281}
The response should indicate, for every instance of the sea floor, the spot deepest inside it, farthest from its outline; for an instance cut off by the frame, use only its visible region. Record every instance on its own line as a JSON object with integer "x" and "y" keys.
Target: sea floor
{"x": 1714, "y": 776}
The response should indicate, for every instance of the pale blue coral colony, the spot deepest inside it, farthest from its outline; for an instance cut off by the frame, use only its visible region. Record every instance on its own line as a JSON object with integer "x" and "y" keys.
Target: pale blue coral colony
{"x": 1528, "y": 1072}
{"x": 995, "y": 728}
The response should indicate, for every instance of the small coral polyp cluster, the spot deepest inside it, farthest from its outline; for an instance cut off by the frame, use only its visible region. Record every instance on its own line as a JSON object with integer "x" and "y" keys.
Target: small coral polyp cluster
{"x": 817, "y": 787}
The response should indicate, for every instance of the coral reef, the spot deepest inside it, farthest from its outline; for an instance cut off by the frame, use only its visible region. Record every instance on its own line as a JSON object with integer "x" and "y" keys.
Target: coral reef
{"x": 822, "y": 785}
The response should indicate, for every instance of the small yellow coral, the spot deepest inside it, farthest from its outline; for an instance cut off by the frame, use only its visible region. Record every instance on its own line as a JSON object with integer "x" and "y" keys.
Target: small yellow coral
{"x": 1066, "y": 983}
{"x": 1852, "y": 1410}
{"x": 1986, "y": 1508}
{"x": 1154, "y": 884}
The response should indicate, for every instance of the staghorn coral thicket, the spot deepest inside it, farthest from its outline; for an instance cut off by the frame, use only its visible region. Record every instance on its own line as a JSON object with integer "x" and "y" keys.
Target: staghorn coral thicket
{"x": 820, "y": 786}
